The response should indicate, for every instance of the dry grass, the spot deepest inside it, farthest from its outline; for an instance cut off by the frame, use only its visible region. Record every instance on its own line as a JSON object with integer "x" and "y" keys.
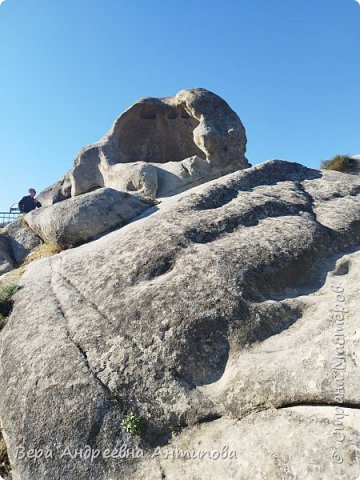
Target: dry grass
{"x": 42, "y": 251}
{"x": 150, "y": 200}
{"x": 340, "y": 163}
{"x": 13, "y": 276}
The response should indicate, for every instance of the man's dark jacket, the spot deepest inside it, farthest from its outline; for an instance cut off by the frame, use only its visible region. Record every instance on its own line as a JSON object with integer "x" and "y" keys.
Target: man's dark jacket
{"x": 28, "y": 203}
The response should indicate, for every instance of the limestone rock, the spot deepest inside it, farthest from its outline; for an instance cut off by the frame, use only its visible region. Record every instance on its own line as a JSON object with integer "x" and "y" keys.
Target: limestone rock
{"x": 221, "y": 316}
{"x": 22, "y": 239}
{"x": 160, "y": 147}
{"x": 80, "y": 219}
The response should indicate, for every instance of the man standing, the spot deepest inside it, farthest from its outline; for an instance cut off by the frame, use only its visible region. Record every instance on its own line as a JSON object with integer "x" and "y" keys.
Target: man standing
{"x": 29, "y": 202}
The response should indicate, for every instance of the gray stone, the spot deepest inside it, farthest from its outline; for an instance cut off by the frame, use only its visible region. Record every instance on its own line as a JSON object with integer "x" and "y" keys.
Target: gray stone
{"x": 57, "y": 192}
{"x": 221, "y": 316}
{"x": 159, "y": 147}
{"x": 77, "y": 220}
{"x": 291, "y": 443}
{"x": 22, "y": 239}
{"x": 7, "y": 261}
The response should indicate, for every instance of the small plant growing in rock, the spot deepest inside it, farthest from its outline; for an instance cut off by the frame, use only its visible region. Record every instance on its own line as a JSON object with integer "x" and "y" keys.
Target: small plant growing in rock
{"x": 114, "y": 396}
{"x": 134, "y": 424}
{"x": 4, "y": 460}
{"x": 340, "y": 163}
{"x": 150, "y": 200}
{"x": 175, "y": 430}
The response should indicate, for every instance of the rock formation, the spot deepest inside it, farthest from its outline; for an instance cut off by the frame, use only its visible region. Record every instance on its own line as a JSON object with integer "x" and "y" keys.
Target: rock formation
{"x": 158, "y": 147}
{"x": 22, "y": 239}
{"x": 228, "y": 317}
{"x": 17, "y": 241}
{"x": 79, "y": 219}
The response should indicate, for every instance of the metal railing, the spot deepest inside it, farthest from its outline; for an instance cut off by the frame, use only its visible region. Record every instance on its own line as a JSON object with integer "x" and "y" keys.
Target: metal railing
{"x": 7, "y": 217}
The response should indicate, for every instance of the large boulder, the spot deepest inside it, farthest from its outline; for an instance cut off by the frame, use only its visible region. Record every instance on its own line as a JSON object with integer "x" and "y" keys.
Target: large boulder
{"x": 77, "y": 220}
{"x": 222, "y": 317}
{"x": 160, "y": 146}
{"x": 22, "y": 239}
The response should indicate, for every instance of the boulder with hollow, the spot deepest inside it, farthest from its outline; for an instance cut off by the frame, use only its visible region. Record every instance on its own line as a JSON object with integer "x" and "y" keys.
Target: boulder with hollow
{"x": 158, "y": 147}
{"x": 229, "y": 317}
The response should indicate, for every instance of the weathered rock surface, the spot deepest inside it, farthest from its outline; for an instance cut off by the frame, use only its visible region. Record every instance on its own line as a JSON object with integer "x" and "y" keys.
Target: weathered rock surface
{"x": 80, "y": 219}
{"x": 7, "y": 260}
{"x": 54, "y": 193}
{"x": 261, "y": 444}
{"x": 160, "y": 146}
{"x": 237, "y": 301}
{"x": 22, "y": 239}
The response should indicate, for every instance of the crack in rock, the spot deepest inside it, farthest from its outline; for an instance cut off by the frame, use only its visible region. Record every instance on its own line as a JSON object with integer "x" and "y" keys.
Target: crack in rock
{"x": 82, "y": 352}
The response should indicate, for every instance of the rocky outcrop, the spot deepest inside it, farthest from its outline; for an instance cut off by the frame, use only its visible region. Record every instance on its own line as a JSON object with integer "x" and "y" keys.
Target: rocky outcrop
{"x": 160, "y": 146}
{"x": 78, "y": 220}
{"x": 221, "y": 317}
{"x": 157, "y": 148}
{"x": 22, "y": 239}
{"x": 54, "y": 193}
{"x": 290, "y": 443}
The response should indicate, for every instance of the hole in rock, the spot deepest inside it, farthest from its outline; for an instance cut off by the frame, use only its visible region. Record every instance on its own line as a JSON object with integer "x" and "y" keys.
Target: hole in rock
{"x": 206, "y": 352}
{"x": 167, "y": 137}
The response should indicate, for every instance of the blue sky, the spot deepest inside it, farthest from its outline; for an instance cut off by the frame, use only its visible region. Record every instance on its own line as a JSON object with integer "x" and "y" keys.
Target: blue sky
{"x": 68, "y": 68}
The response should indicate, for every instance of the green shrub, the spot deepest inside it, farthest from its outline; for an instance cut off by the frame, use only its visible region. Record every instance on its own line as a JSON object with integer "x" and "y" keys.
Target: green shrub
{"x": 340, "y": 163}
{"x": 134, "y": 424}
